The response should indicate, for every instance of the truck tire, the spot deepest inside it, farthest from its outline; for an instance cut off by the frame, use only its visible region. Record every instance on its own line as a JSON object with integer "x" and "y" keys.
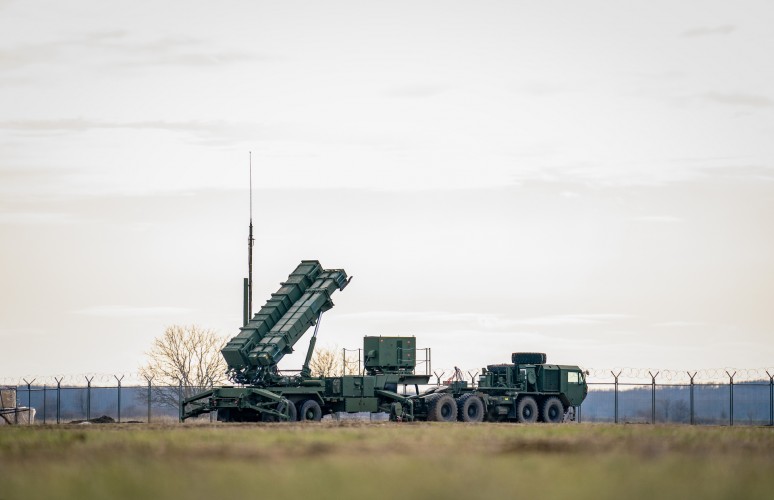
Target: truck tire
{"x": 309, "y": 411}
{"x": 552, "y": 411}
{"x": 471, "y": 408}
{"x": 441, "y": 408}
{"x": 528, "y": 358}
{"x": 527, "y": 410}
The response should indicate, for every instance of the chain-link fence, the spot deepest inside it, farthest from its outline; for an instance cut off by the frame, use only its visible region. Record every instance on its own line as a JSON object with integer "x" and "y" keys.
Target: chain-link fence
{"x": 63, "y": 402}
{"x": 717, "y": 396}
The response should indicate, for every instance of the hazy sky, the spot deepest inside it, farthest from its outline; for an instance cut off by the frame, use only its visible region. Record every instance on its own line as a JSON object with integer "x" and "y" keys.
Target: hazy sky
{"x": 594, "y": 180}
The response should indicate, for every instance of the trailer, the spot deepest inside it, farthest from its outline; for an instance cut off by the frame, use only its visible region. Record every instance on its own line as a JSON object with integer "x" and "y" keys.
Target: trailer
{"x": 262, "y": 393}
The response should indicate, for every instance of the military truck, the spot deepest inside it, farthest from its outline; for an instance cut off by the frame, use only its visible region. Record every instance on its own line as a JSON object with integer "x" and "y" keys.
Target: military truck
{"x": 265, "y": 394}
{"x": 527, "y": 390}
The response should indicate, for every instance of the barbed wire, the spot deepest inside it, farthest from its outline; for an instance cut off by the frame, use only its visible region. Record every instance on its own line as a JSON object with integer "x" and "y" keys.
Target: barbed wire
{"x": 665, "y": 376}
{"x": 440, "y": 375}
{"x": 76, "y": 380}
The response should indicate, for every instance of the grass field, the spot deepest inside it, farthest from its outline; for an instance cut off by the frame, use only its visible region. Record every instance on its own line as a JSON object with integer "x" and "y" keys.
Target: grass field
{"x": 385, "y": 461}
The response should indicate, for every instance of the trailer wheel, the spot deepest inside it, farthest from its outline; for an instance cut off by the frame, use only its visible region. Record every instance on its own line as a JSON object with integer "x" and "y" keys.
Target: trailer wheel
{"x": 471, "y": 408}
{"x": 527, "y": 410}
{"x": 553, "y": 411}
{"x": 287, "y": 407}
{"x": 309, "y": 411}
{"x": 441, "y": 408}
{"x": 396, "y": 412}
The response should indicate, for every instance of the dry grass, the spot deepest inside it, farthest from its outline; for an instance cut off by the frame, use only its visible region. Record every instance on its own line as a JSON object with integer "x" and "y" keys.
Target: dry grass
{"x": 384, "y": 460}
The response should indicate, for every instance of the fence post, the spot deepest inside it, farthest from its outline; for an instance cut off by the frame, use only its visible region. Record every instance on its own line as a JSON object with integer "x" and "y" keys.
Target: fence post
{"x": 771, "y": 398}
{"x": 731, "y": 397}
{"x": 653, "y": 397}
{"x": 691, "y": 377}
{"x": 119, "y": 396}
{"x": 29, "y": 398}
{"x": 44, "y": 404}
{"x": 149, "y": 396}
{"x": 88, "y": 397}
{"x": 615, "y": 401}
{"x": 212, "y": 385}
{"x": 180, "y": 399}
{"x": 58, "y": 398}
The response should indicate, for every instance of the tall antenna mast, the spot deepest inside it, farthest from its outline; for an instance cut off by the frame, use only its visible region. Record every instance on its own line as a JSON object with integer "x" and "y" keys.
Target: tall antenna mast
{"x": 250, "y": 245}
{"x": 248, "y": 284}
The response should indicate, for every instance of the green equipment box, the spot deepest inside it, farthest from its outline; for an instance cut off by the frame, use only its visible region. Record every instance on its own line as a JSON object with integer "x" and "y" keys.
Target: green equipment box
{"x": 389, "y": 354}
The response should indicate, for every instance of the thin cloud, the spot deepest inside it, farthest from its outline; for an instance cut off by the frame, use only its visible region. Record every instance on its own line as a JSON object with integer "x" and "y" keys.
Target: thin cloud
{"x": 22, "y": 333}
{"x": 121, "y": 51}
{"x": 80, "y": 125}
{"x": 540, "y": 88}
{"x": 193, "y": 132}
{"x": 486, "y": 321}
{"x": 27, "y": 55}
{"x": 178, "y": 51}
{"x": 573, "y": 319}
{"x": 709, "y": 31}
{"x": 746, "y": 100}
{"x": 679, "y": 324}
{"x": 748, "y": 172}
{"x": 658, "y": 218}
{"x": 115, "y": 311}
{"x": 191, "y": 59}
{"x": 35, "y": 218}
{"x": 28, "y": 174}
{"x": 419, "y": 91}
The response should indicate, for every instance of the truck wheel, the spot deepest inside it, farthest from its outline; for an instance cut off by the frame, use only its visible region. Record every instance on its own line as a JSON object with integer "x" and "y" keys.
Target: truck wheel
{"x": 441, "y": 408}
{"x": 309, "y": 411}
{"x": 527, "y": 410}
{"x": 471, "y": 408}
{"x": 553, "y": 411}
